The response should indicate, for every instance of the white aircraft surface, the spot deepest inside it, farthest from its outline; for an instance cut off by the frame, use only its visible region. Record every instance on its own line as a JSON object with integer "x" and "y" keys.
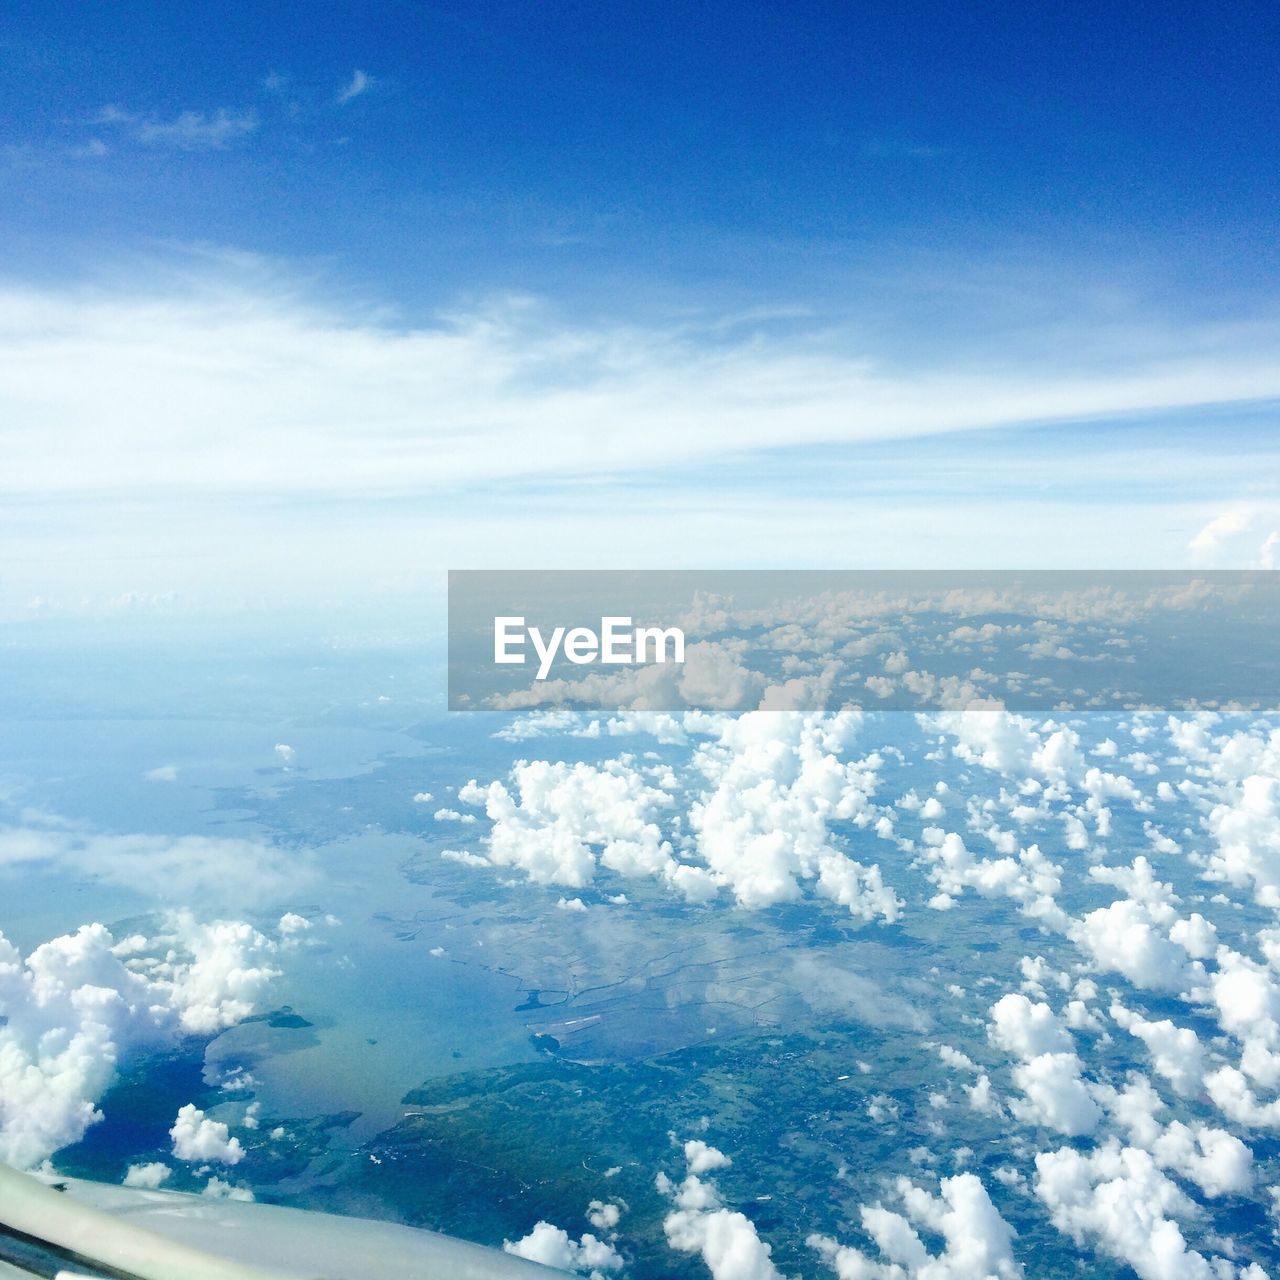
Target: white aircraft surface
{"x": 66, "y": 1229}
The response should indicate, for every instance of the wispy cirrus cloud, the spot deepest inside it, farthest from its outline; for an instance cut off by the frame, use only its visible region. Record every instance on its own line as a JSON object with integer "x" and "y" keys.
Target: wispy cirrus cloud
{"x": 360, "y": 82}
{"x": 234, "y": 384}
{"x": 215, "y": 404}
{"x": 187, "y": 131}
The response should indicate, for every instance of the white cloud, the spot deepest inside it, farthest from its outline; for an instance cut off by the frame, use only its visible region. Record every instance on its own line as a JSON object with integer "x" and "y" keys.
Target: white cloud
{"x": 218, "y": 1189}
{"x": 982, "y": 1097}
{"x": 218, "y": 872}
{"x": 283, "y": 392}
{"x": 198, "y": 1139}
{"x": 1247, "y": 997}
{"x": 1269, "y": 552}
{"x": 712, "y": 677}
{"x": 81, "y": 1003}
{"x": 452, "y": 815}
{"x": 1235, "y": 1098}
{"x": 188, "y": 131}
{"x": 554, "y": 1247}
{"x": 560, "y": 814}
{"x": 1247, "y": 830}
{"x": 759, "y": 827}
{"x": 1118, "y": 1199}
{"x": 977, "y": 1241}
{"x": 604, "y": 1215}
{"x": 827, "y": 986}
{"x": 1049, "y": 1075}
{"x": 996, "y": 739}
{"x": 1030, "y": 879}
{"x": 465, "y": 857}
{"x": 1055, "y": 1095}
{"x": 1220, "y": 533}
{"x": 1123, "y": 938}
{"x": 777, "y": 782}
{"x": 359, "y": 83}
{"x": 217, "y": 974}
{"x": 726, "y": 1239}
{"x": 149, "y": 1176}
{"x": 1142, "y": 936}
{"x": 955, "y": 1058}
{"x": 1216, "y": 1161}
{"x": 1027, "y": 1030}
{"x": 1176, "y": 1052}
{"x": 702, "y": 1158}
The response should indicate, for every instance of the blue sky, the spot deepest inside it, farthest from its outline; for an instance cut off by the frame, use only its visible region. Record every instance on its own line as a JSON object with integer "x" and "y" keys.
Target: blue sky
{"x": 839, "y": 284}
{"x": 540, "y": 146}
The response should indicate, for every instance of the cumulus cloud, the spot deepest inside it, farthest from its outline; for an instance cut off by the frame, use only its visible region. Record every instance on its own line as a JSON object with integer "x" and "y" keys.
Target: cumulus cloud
{"x": 1118, "y": 1199}
{"x": 1142, "y": 936}
{"x": 215, "y": 973}
{"x": 1246, "y": 827}
{"x": 1269, "y": 551}
{"x": 1223, "y": 530}
{"x": 700, "y": 1223}
{"x": 1028, "y": 1030}
{"x": 198, "y": 1139}
{"x": 769, "y": 786}
{"x": 554, "y": 1247}
{"x": 1030, "y": 879}
{"x": 78, "y": 1005}
{"x": 219, "y": 1189}
{"x": 1214, "y": 1160}
{"x": 977, "y": 1241}
{"x": 147, "y": 1176}
{"x": 604, "y": 1215}
{"x": 1246, "y": 997}
{"x": 713, "y": 677}
{"x": 1049, "y": 1075}
{"x": 560, "y": 815}
{"x": 1236, "y": 1099}
{"x": 291, "y": 923}
{"x": 1125, "y": 938}
{"x": 1055, "y": 1095}
{"x": 995, "y": 739}
{"x": 763, "y": 828}
{"x": 1241, "y": 772}
{"x": 701, "y": 1158}
{"x": 1176, "y": 1052}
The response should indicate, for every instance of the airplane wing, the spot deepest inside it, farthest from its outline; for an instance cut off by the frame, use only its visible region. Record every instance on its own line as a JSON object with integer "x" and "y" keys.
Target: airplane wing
{"x": 67, "y": 1229}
